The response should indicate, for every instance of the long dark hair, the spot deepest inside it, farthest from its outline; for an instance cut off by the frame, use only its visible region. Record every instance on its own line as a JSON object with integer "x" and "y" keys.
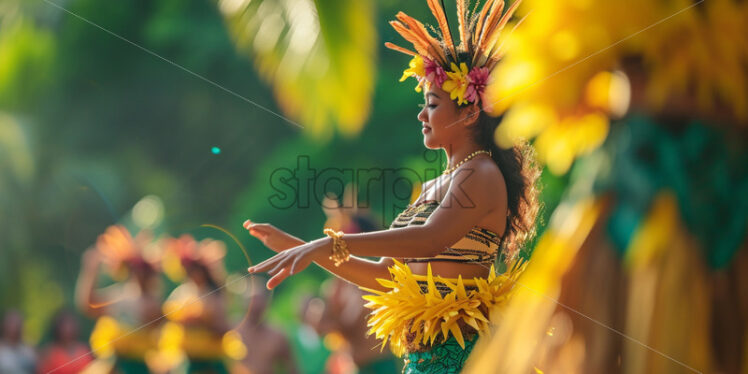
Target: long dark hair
{"x": 521, "y": 173}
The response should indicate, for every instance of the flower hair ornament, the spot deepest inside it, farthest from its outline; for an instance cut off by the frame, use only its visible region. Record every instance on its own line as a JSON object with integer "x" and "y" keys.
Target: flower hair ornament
{"x": 463, "y": 70}
{"x": 121, "y": 252}
{"x": 183, "y": 252}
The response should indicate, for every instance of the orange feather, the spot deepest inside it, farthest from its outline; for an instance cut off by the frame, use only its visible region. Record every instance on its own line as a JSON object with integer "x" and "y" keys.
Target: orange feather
{"x": 441, "y": 18}
{"x": 493, "y": 16}
{"x": 496, "y": 53}
{"x": 408, "y": 35}
{"x": 419, "y": 29}
{"x": 400, "y": 49}
{"x": 500, "y": 26}
{"x": 480, "y": 23}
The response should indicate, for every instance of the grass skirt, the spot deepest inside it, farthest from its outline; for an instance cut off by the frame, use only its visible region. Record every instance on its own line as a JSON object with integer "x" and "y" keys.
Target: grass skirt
{"x": 413, "y": 318}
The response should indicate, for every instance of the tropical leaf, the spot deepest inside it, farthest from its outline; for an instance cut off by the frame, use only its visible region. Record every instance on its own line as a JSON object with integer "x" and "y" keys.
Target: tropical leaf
{"x": 318, "y": 55}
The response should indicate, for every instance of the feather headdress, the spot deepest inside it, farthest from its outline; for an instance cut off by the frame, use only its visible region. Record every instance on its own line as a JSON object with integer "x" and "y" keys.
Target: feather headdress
{"x": 461, "y": 70}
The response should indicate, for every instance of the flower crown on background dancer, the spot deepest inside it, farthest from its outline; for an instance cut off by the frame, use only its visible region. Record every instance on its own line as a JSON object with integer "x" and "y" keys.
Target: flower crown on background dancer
{"x": 462, "y": 70}
{"x": 180, "y": 253}
{"x": 121, "y": 252}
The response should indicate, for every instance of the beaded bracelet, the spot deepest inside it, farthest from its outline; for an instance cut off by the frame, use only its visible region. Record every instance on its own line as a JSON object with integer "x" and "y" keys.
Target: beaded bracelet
{"x": 340, "y": 253}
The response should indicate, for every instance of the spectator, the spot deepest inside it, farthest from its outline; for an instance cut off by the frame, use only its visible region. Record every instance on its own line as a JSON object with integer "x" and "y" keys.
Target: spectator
{"x": 15, "y": 357}
{"x": 66, "y": 354}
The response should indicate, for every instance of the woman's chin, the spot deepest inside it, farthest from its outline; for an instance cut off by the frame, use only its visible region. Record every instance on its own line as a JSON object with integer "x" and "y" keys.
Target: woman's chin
{"x": 429, "y": 143}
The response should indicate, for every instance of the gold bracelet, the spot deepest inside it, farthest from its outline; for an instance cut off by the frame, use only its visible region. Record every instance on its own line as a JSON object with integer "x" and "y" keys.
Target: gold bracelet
{"x": 340, "y": 253}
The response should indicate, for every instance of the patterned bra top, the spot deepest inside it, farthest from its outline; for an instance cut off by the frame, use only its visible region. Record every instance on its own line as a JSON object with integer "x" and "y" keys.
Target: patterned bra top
{"x": 478, "y": 246}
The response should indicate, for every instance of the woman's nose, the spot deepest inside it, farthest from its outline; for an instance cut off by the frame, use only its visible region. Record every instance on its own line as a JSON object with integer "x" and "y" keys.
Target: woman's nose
{"x": 423, "y": 115}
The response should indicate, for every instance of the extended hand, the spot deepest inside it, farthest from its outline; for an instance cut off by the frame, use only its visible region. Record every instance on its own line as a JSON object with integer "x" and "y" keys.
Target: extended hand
{"x": 290, "y": 262}
{"x": 274, "y": 238}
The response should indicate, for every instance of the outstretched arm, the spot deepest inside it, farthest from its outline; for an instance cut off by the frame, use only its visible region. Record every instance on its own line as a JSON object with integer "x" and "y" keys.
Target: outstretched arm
{"x": 359, "y": 271}
{"x": 470, "y": 197}
{"x": 85, "y": 289}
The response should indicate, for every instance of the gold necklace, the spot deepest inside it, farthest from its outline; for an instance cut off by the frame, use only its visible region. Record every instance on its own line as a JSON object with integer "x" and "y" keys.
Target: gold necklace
{"x": 453, "y": 168}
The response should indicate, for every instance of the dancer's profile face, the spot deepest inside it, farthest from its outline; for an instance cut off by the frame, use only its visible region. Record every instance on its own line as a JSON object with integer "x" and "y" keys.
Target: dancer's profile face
{"x": 441, "y": 119}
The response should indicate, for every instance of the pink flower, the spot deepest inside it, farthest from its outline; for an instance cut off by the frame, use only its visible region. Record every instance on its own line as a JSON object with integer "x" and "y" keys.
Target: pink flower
{"x": 434, "y": 72}
{"x": 477, "y": 81}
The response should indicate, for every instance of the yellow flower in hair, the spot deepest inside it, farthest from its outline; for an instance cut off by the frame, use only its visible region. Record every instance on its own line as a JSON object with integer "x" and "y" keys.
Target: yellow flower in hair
{"x": 457, "y": 83}
{"x": 415, "y": 69}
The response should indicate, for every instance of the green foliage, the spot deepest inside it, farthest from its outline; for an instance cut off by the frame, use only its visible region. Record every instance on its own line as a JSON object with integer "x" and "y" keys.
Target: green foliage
{"x": 98, "y": 123}
{"x": 91, "y": 123}
{"x": 26, "y": 56}
{"x": 318, "y": 55}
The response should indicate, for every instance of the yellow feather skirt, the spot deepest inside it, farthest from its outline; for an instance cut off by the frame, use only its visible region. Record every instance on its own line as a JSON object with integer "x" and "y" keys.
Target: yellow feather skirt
{"x": 407, "y": 309}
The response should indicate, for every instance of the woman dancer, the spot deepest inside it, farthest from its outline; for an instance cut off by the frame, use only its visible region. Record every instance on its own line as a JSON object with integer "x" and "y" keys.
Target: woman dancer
{"x": 197, "y": 305}
{"x": 121, "y": 308}
{"x": 435, "y": 284}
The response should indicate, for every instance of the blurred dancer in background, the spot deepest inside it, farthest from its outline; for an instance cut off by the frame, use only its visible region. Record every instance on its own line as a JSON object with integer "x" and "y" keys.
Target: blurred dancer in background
{"x": 346, "y": 315}
{"x": 268, "y": 349}
{"x": 340, "y": 314}
{"x": 197, "y": 306}
{"x": 344, "y": 311}
{"x": 128, "y": 311}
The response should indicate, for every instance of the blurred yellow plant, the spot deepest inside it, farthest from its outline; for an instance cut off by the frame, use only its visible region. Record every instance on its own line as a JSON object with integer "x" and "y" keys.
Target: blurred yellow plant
{"x": 318, "y": 55}
{"x": 559, "y": 80}
{"x": 511, "y": 349}
{"x": 15, "y": 151}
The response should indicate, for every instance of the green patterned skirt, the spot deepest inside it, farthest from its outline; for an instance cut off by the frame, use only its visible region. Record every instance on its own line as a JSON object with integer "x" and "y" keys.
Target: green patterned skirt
{"x": 443, "y": 358}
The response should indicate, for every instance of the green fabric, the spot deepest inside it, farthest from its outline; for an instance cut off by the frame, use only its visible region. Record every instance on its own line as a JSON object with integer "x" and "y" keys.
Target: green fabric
{"x": 127, "y": 366}
{"x": 444, "y": 358}
{"x": 207, "y": 367}
{"x": 704, "y": 167}
{"x": 383, "y": 366}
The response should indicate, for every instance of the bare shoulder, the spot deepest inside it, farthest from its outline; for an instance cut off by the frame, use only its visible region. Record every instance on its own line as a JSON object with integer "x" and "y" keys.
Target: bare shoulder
{"x": 481, "y": 183}
{"x": 481, "y": 172}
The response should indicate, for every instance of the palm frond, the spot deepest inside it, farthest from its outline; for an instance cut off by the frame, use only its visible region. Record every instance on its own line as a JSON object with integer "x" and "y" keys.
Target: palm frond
{"x": 318, "y": 55}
